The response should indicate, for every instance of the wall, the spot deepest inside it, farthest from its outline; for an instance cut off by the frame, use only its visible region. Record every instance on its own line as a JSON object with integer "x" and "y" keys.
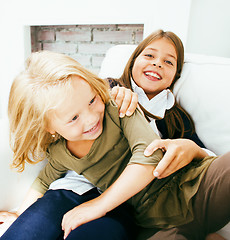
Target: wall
{"x": 85, "y": 43}
{"x": 17, "y": 16}
{"x": 209, "y": 31}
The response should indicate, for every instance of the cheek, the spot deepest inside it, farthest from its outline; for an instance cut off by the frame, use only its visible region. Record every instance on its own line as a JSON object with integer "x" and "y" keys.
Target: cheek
{"x": 75, "y": 130}
{"x": 171, "y": 76}
{"x": 100, "y": 107}
{"x": 136, "y": 74}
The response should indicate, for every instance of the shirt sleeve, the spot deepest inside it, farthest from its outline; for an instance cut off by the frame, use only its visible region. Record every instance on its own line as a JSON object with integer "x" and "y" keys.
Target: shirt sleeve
{"x": 139, "y": 134}
{"x": 51, "y": 172}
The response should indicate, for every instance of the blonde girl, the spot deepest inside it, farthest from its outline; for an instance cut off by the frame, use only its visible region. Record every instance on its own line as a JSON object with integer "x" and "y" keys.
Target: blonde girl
{"x": 34, "y": 96}
{"x": 91, "y": 139}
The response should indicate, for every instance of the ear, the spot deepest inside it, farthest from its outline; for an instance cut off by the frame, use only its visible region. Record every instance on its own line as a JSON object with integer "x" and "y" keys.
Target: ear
{"x": 48, "y": 124}
{"x": 50, "y": 130}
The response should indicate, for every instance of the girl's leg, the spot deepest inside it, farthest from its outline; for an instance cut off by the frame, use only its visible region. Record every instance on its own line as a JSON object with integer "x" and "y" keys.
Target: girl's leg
{"x": 43, "y": 219}
{"x": 116, "y": 225}
{"x": 211, "y": 204}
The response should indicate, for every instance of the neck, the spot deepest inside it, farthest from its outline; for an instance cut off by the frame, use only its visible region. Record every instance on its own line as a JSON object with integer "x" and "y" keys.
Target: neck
{"x": 151, "y": 95}
{"x": 79, "y": 148}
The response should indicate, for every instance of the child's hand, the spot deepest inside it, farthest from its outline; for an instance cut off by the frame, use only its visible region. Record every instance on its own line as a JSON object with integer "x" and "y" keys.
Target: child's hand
{"x": 125, "y": 99}
{"x": 178, "y": 153}
{"x": 6, "y": 219}
{"x": 81, "y": 214}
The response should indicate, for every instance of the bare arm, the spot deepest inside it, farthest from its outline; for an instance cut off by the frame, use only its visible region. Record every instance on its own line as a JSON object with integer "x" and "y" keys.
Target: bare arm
{"x": 31, "y": 197}
{"x": 178, "y": 152}
{"x": 130, "y": 182}
{"x": 136, "y": 175}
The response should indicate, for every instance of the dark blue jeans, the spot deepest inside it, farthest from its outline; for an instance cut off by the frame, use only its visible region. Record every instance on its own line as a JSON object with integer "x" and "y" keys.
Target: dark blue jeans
{"x": 42, "y": 221}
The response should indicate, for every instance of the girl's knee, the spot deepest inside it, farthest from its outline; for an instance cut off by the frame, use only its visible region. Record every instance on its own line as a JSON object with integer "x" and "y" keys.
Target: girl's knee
{"x": 223, "y": 163}
{"x": 102, "y": 228}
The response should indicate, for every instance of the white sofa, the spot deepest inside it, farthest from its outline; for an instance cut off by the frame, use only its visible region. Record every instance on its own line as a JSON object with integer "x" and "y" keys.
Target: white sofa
{"x": 203, "y": 90}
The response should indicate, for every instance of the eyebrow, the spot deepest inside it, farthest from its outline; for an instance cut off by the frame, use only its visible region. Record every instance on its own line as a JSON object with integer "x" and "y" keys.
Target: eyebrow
{"x": 168, "y": 54}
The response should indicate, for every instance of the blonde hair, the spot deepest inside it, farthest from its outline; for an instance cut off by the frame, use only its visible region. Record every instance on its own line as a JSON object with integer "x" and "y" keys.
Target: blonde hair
{"x": 34, "y": 93}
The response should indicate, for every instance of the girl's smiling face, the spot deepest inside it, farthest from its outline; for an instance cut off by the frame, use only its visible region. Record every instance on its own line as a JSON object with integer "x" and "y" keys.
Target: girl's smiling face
{"x": 80, "y": 116}
{"x": 155, "y": 68}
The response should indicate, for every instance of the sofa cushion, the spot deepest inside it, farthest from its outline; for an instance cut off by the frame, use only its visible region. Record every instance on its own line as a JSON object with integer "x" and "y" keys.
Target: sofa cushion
{"x": 202, "y": 90}
{"x": 14, "y": 185}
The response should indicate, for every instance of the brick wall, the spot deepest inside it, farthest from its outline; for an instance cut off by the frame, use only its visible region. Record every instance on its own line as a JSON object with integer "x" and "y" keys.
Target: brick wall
{"x": 86, "y": 43}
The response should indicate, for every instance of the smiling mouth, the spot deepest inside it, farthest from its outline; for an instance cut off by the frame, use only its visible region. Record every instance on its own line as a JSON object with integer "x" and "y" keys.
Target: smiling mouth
{"x": 153, "y": 74}
{"x": 93, "y": 128}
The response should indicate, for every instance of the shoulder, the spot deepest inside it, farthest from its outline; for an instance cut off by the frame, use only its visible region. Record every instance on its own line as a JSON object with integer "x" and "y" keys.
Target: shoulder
{"x": 56, "y": 149}
{"x": 112, "y": 112}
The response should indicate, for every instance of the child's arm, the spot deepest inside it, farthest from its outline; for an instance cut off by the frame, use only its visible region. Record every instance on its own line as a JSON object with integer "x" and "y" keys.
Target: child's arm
{"x": 31, "y": 197}
{"x": 137, "y": 175}
{"x": 132, "y": 180}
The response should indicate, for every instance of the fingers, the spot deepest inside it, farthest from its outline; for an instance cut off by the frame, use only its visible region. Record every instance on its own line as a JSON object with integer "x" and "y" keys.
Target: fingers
{"x": 66, "y": 226}
{"x": 118, "y": 94}
{"x": 153, "y": 146}
{"x": 7, "y": 216}
{"x": 114, "y": 91}
{"x": 6, "y": 219}
{"x": 179, "y": 153}
{"x": 166, "y": 166}
{"x": 67, "y": 232}
{"x": 129, "y": 103}
{"x": 3, "y": 227}
{"x": 72, "y": 220}
{"x": 125, "y": 99}
{"x": 170, "y": 161}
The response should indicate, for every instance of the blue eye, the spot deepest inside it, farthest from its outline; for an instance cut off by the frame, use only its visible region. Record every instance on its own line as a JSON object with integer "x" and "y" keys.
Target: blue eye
{"x": 92, "y": 101}
{"x": 149, "y": 55}
{"x": 75, "y": 118}
{"x": 168, "y": 62}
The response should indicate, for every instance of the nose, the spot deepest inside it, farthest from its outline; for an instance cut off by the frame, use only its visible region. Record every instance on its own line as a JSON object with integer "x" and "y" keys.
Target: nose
{"x": 157, "y": 63}
{"x": 89, "y": 117}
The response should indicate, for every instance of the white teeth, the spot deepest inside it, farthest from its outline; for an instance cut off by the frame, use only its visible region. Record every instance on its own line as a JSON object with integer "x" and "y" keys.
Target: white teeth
{"x": 92, "y": 128}
{"x": 153, "y": 75}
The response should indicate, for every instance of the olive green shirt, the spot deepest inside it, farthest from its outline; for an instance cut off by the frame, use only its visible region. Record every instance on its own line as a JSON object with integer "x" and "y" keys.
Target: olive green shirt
{"x": 163, "y": 203}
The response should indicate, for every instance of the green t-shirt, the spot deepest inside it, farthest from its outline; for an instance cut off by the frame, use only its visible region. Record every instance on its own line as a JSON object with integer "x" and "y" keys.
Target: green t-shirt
{"x": 163, "y": 203}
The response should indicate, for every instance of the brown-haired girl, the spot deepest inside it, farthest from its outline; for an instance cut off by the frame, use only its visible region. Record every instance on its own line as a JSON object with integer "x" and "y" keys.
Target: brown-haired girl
{"x": 82, "y": 131}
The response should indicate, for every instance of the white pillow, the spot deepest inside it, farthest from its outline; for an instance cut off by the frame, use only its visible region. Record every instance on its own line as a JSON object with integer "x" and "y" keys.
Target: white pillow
{"x": 203, "y": 90}
{"x": 115, "y": 60}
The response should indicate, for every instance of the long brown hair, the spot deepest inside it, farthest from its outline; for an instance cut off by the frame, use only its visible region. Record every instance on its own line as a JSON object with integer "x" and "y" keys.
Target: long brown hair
{"x": 172, "y": 117}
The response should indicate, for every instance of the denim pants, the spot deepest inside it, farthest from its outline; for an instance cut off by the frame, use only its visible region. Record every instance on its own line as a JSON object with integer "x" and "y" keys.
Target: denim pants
{"x": 42, "y": 220}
